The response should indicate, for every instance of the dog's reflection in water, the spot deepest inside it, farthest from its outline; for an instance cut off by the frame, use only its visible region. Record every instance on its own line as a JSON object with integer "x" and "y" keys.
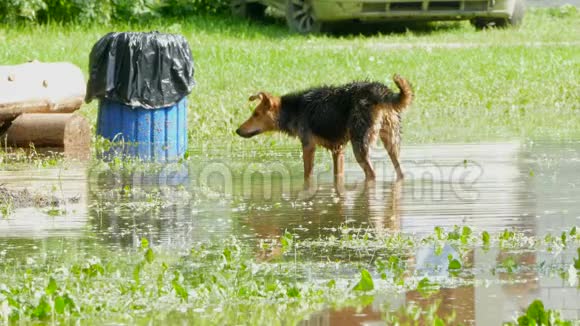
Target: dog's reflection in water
{"x": 377, "y": 203}
{"x": 368, "y": 205}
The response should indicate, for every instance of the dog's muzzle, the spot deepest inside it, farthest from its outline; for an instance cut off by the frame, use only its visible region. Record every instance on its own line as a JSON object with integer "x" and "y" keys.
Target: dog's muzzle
{"x": 248, "y": 134}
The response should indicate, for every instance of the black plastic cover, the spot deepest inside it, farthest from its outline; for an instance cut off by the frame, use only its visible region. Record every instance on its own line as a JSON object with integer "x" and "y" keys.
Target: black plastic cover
{"x": 150, "y": 70}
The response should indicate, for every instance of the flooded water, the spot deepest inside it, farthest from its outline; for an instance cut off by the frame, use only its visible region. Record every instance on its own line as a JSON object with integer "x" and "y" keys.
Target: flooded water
{"x": 529, "y": 188}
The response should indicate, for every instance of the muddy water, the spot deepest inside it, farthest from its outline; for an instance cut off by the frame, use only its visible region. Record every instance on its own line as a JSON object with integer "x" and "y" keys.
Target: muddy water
{"x": 532, "y": 188}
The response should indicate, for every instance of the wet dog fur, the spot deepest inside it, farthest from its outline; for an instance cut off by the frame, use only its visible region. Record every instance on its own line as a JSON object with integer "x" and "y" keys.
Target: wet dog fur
{"x": 331, "y": 116}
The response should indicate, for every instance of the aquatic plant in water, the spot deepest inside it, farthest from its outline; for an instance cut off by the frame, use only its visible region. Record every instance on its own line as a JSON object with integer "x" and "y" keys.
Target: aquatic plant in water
{"x": 225, "y": 282}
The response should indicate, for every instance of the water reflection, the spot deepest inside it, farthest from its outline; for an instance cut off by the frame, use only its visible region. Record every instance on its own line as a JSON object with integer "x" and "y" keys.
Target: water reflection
{"x": 530, "y": 188}
{"x": 157, "y": 202}
{"x": 68, "y": 187}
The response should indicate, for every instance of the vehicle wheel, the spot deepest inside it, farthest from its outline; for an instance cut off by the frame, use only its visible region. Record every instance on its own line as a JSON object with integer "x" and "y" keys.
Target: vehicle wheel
{"x": 301, "y": 18}
{"x": 517, "y": 15}
{"x": 515, "y": 20}
{"x": 245, "y": 9}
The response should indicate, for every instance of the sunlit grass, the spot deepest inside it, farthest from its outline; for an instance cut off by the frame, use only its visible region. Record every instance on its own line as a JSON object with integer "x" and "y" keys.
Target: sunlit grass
{"x": 470, "y": 85}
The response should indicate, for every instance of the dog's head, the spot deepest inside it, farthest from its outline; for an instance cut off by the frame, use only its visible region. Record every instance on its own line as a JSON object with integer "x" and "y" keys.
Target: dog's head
{"x": 264, "y": 118}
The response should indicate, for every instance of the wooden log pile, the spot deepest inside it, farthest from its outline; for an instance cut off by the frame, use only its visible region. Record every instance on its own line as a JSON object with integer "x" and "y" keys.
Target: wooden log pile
{"x": 37, "y": 105}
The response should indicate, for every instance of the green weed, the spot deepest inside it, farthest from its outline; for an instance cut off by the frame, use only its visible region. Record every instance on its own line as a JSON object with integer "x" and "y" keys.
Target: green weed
{"x": 537, "y": 315}
{"x": 151, "y": 284}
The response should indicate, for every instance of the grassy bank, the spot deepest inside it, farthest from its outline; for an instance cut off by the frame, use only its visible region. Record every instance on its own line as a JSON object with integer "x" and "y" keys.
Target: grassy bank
{"x": 470, "y": 85}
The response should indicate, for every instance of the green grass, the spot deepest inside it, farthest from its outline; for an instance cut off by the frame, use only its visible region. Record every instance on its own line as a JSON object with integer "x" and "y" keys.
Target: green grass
{"x": 470, "y": 85}
{"x": 226, "y": 283}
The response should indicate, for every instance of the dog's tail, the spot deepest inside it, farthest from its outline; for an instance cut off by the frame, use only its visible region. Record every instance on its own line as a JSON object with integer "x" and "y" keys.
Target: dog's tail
{"x": 405, "y": 97}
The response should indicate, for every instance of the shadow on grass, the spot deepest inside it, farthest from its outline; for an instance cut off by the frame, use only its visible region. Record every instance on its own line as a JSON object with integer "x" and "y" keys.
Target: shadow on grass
{"x": 275, "y": 27}
{"x": 401, "y": 27}
{"x": 269, "y": 27}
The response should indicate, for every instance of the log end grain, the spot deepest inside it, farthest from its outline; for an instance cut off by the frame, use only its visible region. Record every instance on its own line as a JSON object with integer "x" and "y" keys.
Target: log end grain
{"x": 69, "y": 132}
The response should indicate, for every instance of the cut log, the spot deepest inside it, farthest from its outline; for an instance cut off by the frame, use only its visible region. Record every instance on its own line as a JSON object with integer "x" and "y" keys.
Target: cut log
{"x": 37, "y": 87}
{"x": 69, "y": 132}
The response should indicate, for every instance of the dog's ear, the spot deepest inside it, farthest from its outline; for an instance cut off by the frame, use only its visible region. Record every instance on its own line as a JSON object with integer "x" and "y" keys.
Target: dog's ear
{"x": 256, "y": 96}
{"x": 264, "y": 97}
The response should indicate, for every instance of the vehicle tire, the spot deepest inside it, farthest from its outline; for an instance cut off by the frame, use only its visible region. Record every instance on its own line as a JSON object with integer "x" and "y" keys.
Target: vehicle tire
{"x": 518, "y": 14}
{"x": 514, "y": 20}
{"x": 301, "y": 18}
{"x": 245, "y": 9}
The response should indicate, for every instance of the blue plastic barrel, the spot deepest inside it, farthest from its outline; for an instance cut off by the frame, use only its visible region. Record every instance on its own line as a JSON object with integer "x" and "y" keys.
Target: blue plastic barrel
{"x": 158, "y": 135}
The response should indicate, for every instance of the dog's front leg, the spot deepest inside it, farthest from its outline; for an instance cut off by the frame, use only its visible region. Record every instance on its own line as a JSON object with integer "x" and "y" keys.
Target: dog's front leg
{"x": 308, "y": 151}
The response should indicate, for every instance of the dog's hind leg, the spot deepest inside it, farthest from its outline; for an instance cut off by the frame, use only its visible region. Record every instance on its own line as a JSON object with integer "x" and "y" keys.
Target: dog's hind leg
{"x": 391, "y": 138}
{"x": 338, "y": 160}
{"x": 362, "y": 155}
{"x": 362, "y": 135}
{"x": 308, "y": 151}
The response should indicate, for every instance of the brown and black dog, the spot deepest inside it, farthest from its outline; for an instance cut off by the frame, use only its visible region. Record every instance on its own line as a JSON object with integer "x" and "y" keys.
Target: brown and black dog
{"x": 330, "y": 116}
